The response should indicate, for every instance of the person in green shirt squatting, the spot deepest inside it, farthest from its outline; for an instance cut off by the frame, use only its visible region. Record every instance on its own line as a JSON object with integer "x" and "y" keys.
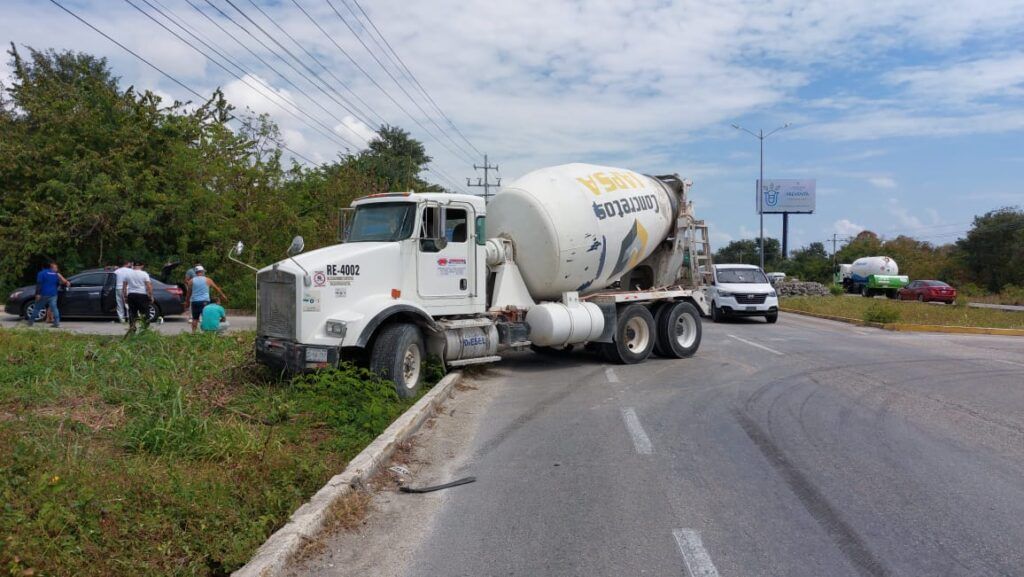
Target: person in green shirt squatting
{"x": 214, "y": 318}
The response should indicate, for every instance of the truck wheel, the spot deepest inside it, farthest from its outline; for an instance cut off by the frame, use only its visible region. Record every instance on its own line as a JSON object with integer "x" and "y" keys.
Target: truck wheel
{"x": 772, "y": 318}
{"x": 865, "y": 292}
{"x": 634, "y": 336}
{"x": 716, "y": 313}
{"x": 891, "y": 294}
{"x": 678, "y": 330}
{"x": 398, "y": 356}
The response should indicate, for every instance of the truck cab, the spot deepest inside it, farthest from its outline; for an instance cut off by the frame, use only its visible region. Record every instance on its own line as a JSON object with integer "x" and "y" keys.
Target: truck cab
{"x": 741, "y": 290}
{"x": 408, "y": 257}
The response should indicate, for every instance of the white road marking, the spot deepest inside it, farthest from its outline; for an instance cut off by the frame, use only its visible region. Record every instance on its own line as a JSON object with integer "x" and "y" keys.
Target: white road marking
{"x": 609, "y": 374}
{"x": 753, "y": 344}
{"x": 1009, "y": 362}
{"x": 641, "y": 441}
{"x": 698, "y": 562}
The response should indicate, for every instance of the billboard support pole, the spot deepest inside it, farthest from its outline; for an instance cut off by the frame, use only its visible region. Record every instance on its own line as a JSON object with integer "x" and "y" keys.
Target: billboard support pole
{"x": 785, "y": 236}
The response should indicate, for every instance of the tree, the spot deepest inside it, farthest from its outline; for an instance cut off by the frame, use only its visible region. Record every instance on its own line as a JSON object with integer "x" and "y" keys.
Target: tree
{"x": 394, "y": 161}
{"x": 745, "y": 251}
{"x": 993, "y": 252}
{"x": 866, "y": 243}
{"x": 811, "y": 263}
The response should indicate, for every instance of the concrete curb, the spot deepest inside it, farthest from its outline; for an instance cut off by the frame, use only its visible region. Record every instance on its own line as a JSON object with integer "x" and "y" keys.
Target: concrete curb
{"x": 906, "y": 327}
{"x": 308, "y": 520}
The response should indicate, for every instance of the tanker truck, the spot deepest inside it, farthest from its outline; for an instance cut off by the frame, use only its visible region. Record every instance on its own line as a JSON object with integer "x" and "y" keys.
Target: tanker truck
{"x": 873, "y": 275}
{"x": 567, "y": 256}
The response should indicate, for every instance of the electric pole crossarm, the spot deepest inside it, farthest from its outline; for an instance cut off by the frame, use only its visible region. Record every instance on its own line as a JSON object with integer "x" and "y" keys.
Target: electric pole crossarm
{"x": 485, "y": 183}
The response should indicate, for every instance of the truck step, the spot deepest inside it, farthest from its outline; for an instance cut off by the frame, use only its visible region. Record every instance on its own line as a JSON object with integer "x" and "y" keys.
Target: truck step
{"x": 476, "y": 361}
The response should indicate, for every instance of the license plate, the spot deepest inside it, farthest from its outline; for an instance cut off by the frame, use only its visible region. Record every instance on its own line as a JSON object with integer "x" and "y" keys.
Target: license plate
{"x": 751, "y": 308}
{"x": 316, "y": 355}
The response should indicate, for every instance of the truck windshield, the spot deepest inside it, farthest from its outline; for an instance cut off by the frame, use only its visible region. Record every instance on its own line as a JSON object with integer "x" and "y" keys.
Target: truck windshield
{"x": 741, "y": 276}
{"x": 382, "y": 222}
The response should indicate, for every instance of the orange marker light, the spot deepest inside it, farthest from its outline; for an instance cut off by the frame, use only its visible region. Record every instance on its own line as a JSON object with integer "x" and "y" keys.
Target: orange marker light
{"x": 395, "y": 293}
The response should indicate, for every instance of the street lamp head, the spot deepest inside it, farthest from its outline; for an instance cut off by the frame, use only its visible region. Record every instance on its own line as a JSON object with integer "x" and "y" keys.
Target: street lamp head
{"x": 736, "y": 126}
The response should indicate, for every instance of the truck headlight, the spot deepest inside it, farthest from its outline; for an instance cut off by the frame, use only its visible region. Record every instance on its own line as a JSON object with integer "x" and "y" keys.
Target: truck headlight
{"x": 336, "y": 329}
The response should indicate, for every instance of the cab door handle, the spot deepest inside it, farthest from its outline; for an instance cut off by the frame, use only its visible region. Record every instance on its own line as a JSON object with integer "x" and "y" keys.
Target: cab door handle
{"x": 463, "y": 284}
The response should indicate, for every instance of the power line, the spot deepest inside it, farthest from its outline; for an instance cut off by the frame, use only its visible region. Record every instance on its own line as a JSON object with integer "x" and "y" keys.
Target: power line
{"x": 486, "y": 182}
{"x": 158, "y": 69}
{"x": 327, "y": 131}
{"x": 321, "y": 64}
{"x": 412, "y": 77}
{"x": 395, "y": 80}
{"x": 261, "y": 43}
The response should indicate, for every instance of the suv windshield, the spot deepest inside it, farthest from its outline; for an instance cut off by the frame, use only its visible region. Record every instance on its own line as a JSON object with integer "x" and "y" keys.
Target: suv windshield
{"x": 741, "y": 276}
{"x": 382, "y": 222}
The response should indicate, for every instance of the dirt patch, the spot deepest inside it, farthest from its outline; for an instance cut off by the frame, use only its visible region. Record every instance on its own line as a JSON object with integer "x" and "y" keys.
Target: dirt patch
{"x": 89, "y": 411}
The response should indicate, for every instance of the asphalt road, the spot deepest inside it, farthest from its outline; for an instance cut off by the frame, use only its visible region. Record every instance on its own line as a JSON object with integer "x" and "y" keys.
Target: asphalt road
{"x": 805, "y": 448}
{"x": 172, "y": 325}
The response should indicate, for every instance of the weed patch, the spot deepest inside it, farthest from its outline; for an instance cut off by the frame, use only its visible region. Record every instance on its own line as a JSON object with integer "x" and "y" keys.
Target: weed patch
{"x": 157, "y": 455}
{"x": 879, "y": 312}
{"x": 911, "y": 312}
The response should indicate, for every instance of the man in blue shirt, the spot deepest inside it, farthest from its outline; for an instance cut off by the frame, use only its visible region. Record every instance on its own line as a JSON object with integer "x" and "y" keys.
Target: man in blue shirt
{"x": 47, "y": 282}
{"x": 213, "y": 319}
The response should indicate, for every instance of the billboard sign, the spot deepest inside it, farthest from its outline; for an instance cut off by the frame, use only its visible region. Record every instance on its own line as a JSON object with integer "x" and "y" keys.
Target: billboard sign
{"x": 779, "y": 196}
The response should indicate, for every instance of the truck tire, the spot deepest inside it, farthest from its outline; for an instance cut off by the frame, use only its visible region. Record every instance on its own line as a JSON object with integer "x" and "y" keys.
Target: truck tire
{"x": 771, "y": 318}
{"x": 398, "y": 355}
{"x": 678, "y": 330}
{"x": 634, "y": 336}
{"x": 866, "y": 292}
{"x": 891, "y": 294}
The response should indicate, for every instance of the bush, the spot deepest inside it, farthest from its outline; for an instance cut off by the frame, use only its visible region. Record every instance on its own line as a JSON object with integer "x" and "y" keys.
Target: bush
{"x": 961, "y": 300}
{"x": 836, "y": 290}
{"x": 972, "y": 290}
{"x": 881, "y": 312}
{"x": 1012, "y": 294}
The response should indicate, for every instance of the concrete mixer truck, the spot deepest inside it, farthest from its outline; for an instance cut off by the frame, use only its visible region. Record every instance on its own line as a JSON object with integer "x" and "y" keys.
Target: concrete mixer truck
{"x": 567, "y": 256}
{"x": 873, "y": 275}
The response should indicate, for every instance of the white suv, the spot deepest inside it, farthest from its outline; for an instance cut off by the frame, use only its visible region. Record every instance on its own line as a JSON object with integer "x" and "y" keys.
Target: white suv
{"x": 742, "y": 290}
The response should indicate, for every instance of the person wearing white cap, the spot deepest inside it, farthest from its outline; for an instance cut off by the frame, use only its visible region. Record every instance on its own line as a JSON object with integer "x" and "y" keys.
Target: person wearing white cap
{"x": 198, "y": 293}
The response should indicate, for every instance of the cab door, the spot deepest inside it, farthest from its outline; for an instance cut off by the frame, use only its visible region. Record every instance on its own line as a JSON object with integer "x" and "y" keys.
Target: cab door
{"x": 445, "y": 269}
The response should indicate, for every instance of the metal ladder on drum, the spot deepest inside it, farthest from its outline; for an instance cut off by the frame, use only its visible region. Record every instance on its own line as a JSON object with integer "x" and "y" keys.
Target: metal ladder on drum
{"x": 700, "y": 252}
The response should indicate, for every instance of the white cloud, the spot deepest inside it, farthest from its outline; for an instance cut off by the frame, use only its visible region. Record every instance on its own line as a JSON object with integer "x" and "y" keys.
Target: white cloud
{"x": 847, "y": 227}
{"x": 907, "y": 222}
{"x": 354, "y": 130}
{"x": 995, "y": 76}
{"x": 882, "y": 182}
{"x": 254, "y": 93}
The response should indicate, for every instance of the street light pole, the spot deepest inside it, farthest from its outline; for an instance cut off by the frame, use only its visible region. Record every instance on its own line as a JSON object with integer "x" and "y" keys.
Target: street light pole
{"x": 760, "y": 135}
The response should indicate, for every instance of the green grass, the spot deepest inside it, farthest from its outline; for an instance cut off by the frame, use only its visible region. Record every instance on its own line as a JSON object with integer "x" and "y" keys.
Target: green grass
{"x": 912, "y": 312}
{"x": 163, "y": 455}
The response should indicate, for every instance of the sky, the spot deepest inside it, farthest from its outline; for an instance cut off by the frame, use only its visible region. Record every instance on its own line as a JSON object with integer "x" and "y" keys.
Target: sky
{"x": 908, "y": 113}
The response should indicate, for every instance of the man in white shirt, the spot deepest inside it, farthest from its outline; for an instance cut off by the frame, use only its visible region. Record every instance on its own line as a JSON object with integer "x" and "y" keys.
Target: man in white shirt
{"x": 138, "y": 294}
{"x": 121, "y": 276}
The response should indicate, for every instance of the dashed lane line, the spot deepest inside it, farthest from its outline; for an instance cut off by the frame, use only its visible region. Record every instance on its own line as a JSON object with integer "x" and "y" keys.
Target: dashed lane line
{"x": 695, "y": 556}
{"x": 641, "y": 441}
{"x": 760, "y": 346}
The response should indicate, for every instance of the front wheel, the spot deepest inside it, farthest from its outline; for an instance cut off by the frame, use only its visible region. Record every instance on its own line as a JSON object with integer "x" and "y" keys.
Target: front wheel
{"x": 678, "y": 330}
{"x": 716, "y": 313}
{"x": 634, "y": 336}
{"x": 865, "y": 292}
{"x": 771, "y": 318}
{"x": 398, "y": 355}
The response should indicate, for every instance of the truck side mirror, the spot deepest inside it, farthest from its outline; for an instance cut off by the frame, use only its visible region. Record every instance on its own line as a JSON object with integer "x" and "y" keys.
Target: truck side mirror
{"x": 433, "y": 237}
{"x": 345, "y": 223}
{"x": 298, "y": 244}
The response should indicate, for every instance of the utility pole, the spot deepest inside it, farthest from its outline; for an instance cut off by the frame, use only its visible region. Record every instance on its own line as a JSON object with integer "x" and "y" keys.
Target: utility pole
{"x": 486, "y": 181}
{"x": 760, "y": 135}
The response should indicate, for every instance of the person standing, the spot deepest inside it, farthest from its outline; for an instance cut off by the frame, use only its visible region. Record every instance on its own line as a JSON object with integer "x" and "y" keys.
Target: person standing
{"x": 47, "y": 283}
{"x": 198, "y": 293}
{"x": 120, "y": 277}
{"x": 137, "y": 291}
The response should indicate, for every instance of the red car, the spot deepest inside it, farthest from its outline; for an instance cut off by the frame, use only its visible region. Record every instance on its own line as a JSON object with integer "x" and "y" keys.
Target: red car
{"x": 927, "y": 291}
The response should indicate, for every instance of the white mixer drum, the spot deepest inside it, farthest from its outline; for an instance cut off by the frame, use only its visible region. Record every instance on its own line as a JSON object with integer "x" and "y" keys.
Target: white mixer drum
{"x": 580, "y": 227}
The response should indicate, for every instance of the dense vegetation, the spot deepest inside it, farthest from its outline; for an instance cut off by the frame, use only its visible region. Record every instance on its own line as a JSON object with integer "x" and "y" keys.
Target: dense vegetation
{"x": 989, "y": 259}
{"x": 91, "y": 172}
{"x": 159, "y": 455}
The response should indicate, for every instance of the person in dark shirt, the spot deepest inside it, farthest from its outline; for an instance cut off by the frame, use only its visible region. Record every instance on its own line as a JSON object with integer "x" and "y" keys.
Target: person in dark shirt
{"x": 47, "y": 282}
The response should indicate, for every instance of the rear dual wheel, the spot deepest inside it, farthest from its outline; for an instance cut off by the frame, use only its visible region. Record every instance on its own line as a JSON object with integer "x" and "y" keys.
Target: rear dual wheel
{"x": 678, "y": 330}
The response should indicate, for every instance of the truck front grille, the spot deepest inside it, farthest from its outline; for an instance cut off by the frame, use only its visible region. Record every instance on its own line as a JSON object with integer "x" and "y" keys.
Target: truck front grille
{"x": 748, "y": 299}
{"x": 276, "y": 314}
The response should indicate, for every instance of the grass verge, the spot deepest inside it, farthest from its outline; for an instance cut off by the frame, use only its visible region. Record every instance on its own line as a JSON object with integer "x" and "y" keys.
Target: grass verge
{"x": 162, "y": 455}
{"x": 911, "y": 312}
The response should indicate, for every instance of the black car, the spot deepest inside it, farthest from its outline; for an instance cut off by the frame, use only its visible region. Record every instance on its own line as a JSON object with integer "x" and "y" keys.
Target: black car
{"x": 91, "y": 295}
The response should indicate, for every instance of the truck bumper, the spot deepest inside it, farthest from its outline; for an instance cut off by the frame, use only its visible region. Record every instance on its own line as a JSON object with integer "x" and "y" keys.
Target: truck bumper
{"x": 745, "y": 310}
{"x": 292, "y": 357}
